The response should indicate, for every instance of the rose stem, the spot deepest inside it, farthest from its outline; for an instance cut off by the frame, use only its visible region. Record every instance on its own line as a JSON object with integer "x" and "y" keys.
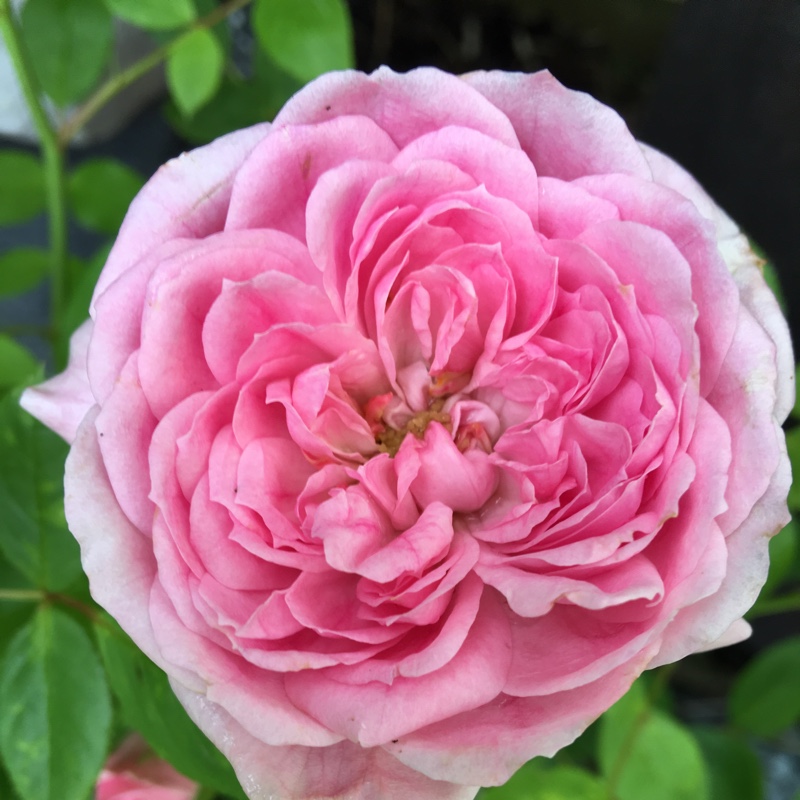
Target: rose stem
{"x": 21, "y": 595}
{"x": 53, "y": 158}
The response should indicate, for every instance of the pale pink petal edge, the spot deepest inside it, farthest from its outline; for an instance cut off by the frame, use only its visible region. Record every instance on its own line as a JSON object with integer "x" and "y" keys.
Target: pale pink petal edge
{"x": 63, "y": 401}
{"x": 344, "y": 771}
{"x": 186, "y": 198}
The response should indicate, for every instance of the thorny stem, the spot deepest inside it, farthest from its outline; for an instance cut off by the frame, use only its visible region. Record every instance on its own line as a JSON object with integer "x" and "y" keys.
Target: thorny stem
{"x": 118, "y": 82}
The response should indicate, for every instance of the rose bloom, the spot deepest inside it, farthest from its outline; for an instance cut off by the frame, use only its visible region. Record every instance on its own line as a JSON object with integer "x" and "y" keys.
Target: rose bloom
{"x": 135, "y": 773}
{"x": 409, "y": 429}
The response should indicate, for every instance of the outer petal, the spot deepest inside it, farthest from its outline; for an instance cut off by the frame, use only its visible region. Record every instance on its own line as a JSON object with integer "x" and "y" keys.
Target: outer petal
{"x": 668, "y": 173}
{"x": 344, "y": 771}
{"x": 759, "y": 300}
{"x": 714, "y": 293}
{"x": 118, "y": 558}
{"x": 406, "y": 106}
{"x": 518, "y": 728}
{"x": 375, "y": 713}
{"x": 125, "y": 425}
{"x": 716, "y": 621}
{"x": 567, "y": 134}
{"x": 187, "y": 197}
{"x": 272, "y": 188}
{"x": 63, "y": 401}
{"x": 743, "y": 264}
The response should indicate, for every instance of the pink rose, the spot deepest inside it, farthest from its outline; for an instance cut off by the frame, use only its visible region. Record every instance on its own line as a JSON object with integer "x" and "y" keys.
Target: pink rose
{"x": 409, "y": 429}
{"x": 135, "y": 773}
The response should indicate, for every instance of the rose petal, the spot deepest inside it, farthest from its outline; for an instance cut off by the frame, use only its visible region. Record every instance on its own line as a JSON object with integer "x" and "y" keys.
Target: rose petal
{"x": 344, "y": 771}
{"x": 187, "y": 198}
{"x": 62, "y": 402}
{"x": 375, "y": 713}
{"x": 405, "y": 106}
{"x": 567, "y": 134}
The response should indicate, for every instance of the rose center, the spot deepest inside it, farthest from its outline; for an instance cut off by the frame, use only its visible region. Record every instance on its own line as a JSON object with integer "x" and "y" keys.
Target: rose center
{"x": 389, "y": 438}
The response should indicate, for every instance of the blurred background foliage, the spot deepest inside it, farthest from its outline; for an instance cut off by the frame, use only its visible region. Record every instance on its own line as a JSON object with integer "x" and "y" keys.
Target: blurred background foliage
{"x": 719, "y": 726}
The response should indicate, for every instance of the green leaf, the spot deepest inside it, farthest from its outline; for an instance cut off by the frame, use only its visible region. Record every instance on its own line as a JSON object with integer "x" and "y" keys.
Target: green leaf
{"x": 6, "y": 790}
{"x": 17, "y": 364}
{"x": 793, "y": 446}
{"x": 733, "y": 768}
{"x": 154, "y": 15}
{"x": 100, "y": 191}
{"x": 540, "y": 780}
{"x": 11, "y": 578}
{"x": 22, "y": 269}
{"x": 69, "y": 42}
{"x": 150, "y": 706}
{"x": 55, "y": 710}
{"x": 305, "y": 38}
{"x": 13, "y": 613}
{"x": 21, "y": 187}
{"x": 238, "y": 103}
{"x": 647, "y": 755}
{"x": 33, "y": 532}
{"x": 782, "y": 555}
{"x": 194, "y": 70}
{"x": 77, "y": 308}
{"x": 765, "y": 698}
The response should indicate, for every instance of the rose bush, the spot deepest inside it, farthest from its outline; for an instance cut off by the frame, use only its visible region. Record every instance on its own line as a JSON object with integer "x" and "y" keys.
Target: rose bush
{"x": 409, "y": 429}
{"x": 134, "y": 773}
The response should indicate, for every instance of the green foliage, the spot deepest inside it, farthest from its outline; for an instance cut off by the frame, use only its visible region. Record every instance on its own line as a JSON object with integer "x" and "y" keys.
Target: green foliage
{"x": 100, "y": 191}
{"x": 154, "y": 15}
{"x": 55, "y": 710}
{"x": 194, "y": 70}
{"x": 21, "y": 269}
{"x": 83, "y": 283}
{"x": 783, "y": 550}
{"x": 305, "y": 38}
{"x": 238, "y": 103}
{"x": 793, "y": 445}
{"x": 540, "y": 780}
{"x": 647, "y": 755}
{"x": 10, "y": 578}
{"x": 13, "y": 614}
{"x": 21, "y": 187}
{"x": 6, "y": 790}
{"x": 17, "y": 364}
{"x": 33, "y": 533}
{"x": 765, "y": 698}
{"x": 734, "y": 770}
{"x": 796, "y": 409}
{"x": 69, "y": 42}
{"x": 149, "y": 705}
